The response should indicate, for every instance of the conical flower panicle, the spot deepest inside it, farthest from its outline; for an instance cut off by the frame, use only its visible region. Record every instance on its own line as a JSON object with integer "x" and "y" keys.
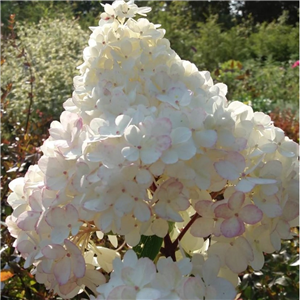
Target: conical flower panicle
{"x": 145, "y": 140}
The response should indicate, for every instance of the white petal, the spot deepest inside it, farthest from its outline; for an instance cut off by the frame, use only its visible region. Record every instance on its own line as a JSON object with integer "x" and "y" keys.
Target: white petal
{"x": 181, "y": 135}
{"x": 160, "y": 227}
{"x": 58, "y": 234}
{"x": 259, "y": 259}
{"x": 245, "y": 185}
{"x": 206, "y": 138}
{"x": 27, "y": 220}
{"x": 148, "y": 293}
{"x": 202, "y": 227}
{"x": 95, "y": 205}
{"x": 170, "y": 156}
{"x": 225, "y": 289}
{"x": 187, "y": 150}
{"x": 211, "y": 269}
{"x": 227, "y": 170}
{"x": 130, "y": 153}
{"x": 142, "y": 211}
{"x": 133, "y": 135}
{"x": 149, "y": 156}
{"x": 236, "y": 262}
{"x": 62, "y": 270}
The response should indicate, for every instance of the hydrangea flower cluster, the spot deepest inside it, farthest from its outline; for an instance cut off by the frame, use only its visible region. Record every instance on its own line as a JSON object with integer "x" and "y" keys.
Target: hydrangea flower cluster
{"x": 149, "y": 146}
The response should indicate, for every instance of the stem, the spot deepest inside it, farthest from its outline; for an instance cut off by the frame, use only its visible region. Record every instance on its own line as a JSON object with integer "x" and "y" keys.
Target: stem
{"x": 169, "y": 249}
{"x": 185, "y": 229}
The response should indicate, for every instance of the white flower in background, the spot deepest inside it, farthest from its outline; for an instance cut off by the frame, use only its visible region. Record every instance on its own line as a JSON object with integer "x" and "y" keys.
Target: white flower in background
{"x": 148, "y": 145}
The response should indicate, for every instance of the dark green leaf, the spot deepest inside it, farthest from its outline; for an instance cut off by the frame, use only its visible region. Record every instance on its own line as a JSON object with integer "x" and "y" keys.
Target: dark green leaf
{"x": 149, "y": 246}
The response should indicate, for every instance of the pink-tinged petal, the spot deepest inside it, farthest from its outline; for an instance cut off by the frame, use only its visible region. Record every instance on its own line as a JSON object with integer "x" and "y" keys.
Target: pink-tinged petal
{"x": 237, "y": 159}
{"x": 27, "y": 220}
{"x": 71, "y": 214}
{"x": 78, "y": 265}
{"x": 204, "y": 207}
{"x": 163, "y": 142}
{"x": 54, "y": 251}
{"x": 232, "y": 227}
{"x": 70, "y": 290}
{"x": 236, "y": 201}
{"x": 55, "y": 217}
{"x": 35, "y": 201}
{"x": 130, "y": 153}
{"x": 58, "y": 234}
{"x": 62, "y": 270}
{"x": 202, "y": 227}
{"x": 250, "y": 214}
{"x": 206, "y": 138}
{"x": 227, "y": 170}
{"x": 240, "y": 143}
{"x": 25, "y": 247}
{"x": 223, "y": 211}
{"x": 71, "y": 247}
{"x": 162, "y": 126}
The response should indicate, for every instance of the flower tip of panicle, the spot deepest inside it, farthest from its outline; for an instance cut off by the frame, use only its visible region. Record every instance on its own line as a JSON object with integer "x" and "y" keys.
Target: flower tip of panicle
{"x": 121, "y": 9}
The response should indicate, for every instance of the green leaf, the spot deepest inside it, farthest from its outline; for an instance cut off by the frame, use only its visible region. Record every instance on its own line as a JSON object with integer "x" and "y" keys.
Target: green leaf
{"x": 149, "y": 246}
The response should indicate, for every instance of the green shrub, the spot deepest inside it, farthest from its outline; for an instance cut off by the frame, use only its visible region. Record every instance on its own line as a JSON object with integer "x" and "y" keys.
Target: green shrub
{"x": 276, "y": 40}
{"x": 263, "y": 85}
{"x": 209, "y": 43}
{"x": 50, "y": 50}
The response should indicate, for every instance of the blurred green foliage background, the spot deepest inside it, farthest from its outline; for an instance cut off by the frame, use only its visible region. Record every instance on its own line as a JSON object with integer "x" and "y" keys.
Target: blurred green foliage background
{"x": 251, "y": 46}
